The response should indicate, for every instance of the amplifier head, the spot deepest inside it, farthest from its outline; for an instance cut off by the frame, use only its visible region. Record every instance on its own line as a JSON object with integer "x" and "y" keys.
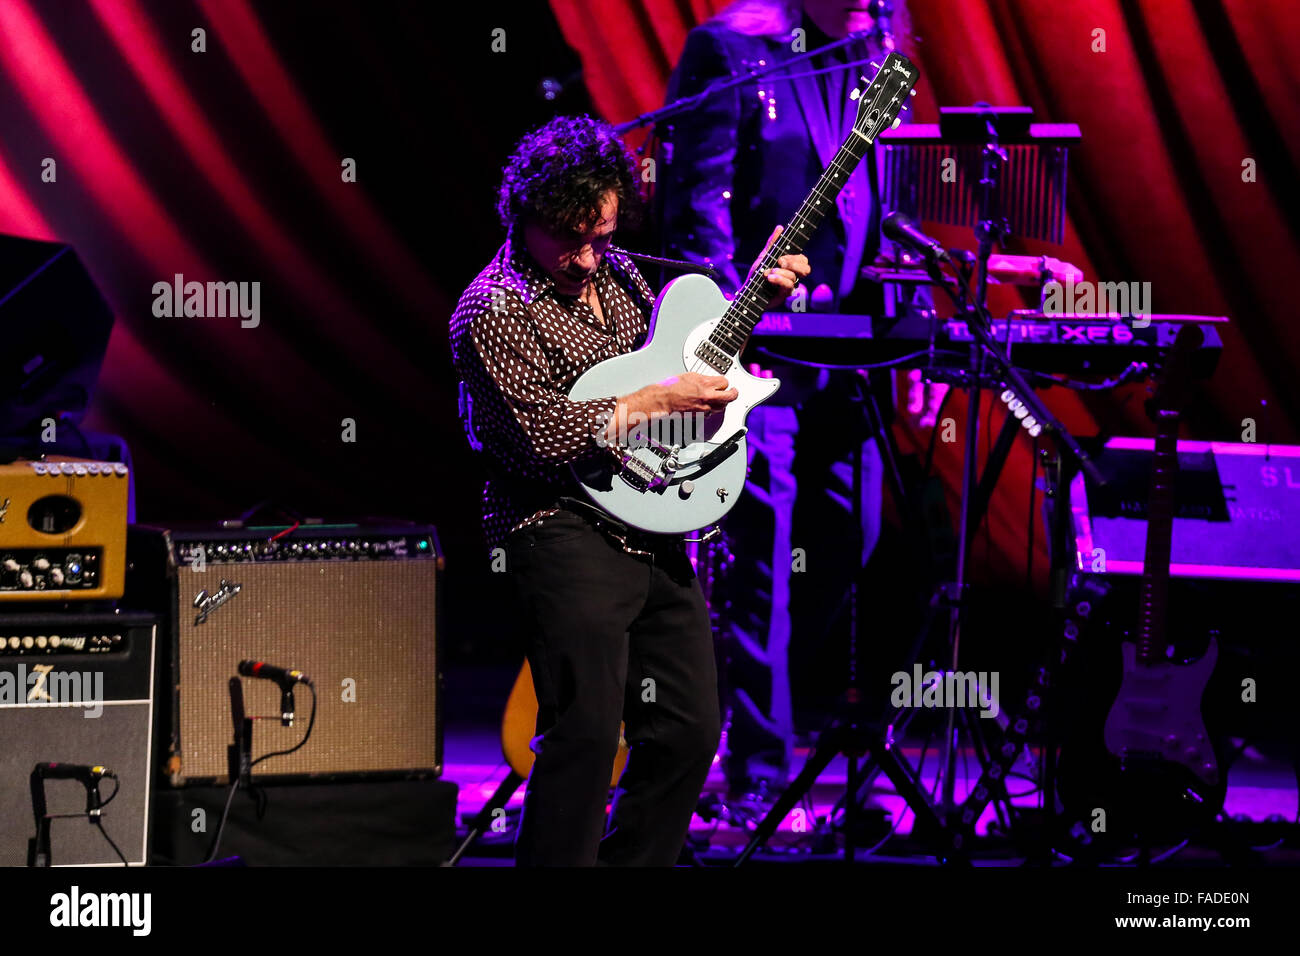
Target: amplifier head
{"x": 62, "y": 529}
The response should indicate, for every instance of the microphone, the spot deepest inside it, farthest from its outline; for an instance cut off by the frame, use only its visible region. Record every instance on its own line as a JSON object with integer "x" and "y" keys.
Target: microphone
{"x": 902, "y": 230}
{"x": 72, "y": 771}
{"x": 268, "y": 671}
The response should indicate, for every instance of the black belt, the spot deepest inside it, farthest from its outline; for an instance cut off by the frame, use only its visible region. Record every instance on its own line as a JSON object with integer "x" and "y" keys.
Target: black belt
{"x": 632, "y": 540}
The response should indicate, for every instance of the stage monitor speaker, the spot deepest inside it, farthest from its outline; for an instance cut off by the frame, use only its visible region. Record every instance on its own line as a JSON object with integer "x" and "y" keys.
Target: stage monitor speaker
{"x": 76, "y": 688}
{"x": 55, "y": 327}
{"x": 353, "y": 606}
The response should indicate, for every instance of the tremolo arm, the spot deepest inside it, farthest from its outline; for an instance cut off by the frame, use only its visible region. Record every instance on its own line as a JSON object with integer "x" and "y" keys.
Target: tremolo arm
{"x": 645, "y": 477}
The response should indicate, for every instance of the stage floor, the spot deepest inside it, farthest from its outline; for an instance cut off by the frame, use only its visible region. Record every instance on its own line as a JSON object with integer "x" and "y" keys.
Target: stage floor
{"x": 1259, "y": 788}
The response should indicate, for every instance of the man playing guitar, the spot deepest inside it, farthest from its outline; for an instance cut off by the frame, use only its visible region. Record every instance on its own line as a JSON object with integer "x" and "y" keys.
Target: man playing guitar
{"x": 615, "y": 621}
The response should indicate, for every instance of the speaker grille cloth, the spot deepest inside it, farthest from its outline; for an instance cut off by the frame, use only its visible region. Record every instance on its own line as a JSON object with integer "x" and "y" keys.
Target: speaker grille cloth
{"x": 117, "y": 739}
{"x": 359, "y": 629}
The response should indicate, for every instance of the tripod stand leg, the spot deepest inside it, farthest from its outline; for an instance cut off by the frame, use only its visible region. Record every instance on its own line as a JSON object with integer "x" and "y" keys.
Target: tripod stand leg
{"x": 1002, "y": 798}
{"x": 483, "y": 820}
{"x": 928, "y": 826}
{"x": 828, "y": 745}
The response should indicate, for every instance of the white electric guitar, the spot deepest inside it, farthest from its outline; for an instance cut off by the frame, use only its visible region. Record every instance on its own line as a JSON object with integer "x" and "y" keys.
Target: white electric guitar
{"x": 679, "y": 474}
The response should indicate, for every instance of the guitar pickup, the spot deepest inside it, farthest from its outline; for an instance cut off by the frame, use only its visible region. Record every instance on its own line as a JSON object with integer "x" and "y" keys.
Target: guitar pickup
{"x": 717, "y": 359}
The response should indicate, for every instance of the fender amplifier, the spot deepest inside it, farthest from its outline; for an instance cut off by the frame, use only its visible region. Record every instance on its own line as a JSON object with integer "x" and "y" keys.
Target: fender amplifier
{"x": 353, "y": 606}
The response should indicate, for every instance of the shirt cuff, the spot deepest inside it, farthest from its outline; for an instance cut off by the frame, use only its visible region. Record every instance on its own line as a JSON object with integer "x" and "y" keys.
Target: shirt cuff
{"x": 599, "y": 412}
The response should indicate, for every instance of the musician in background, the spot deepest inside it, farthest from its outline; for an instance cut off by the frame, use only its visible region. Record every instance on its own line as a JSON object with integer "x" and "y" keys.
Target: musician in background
{"x": 746, "y": 156}
{"x": 615, "y": 621}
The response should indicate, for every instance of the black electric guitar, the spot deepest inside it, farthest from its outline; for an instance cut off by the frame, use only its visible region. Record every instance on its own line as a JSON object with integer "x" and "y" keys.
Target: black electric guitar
{"x": 1168, "y": 775}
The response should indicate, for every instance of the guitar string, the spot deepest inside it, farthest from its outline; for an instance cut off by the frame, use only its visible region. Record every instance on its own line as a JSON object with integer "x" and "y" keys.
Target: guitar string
{"x": 806, "y": 219}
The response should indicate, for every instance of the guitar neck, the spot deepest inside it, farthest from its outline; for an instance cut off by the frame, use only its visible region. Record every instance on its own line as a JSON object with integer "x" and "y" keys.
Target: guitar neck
{"x": 746, "y": 309}
{"x": 1160, "y": 532}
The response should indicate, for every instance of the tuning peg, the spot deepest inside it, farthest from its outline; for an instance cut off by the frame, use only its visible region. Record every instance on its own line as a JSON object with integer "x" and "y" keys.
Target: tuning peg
{"x": 875, "y": 65}
{"x": 855, "y": 94}
{"x": 896, "y": 123}
{"x": 912, "y": 91}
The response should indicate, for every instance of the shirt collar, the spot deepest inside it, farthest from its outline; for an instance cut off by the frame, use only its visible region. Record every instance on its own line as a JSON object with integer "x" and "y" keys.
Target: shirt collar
{"x": 534, "y": 282}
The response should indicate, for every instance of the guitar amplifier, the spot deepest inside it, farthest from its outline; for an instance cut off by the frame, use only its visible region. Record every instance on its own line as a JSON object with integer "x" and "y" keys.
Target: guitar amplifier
{"x": 353, "y": 606}
{"x": 62, "y": 529}
{"x": 76, "y": 688}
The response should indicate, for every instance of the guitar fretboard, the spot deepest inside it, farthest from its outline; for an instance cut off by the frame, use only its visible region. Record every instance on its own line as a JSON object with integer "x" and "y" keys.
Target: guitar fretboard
{"x": 746, "y": 310}
{"x": 1160, "y": 532}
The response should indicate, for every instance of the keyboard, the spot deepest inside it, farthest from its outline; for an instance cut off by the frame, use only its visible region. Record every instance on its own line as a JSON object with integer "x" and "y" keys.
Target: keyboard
{"x": 1066, "y": 344}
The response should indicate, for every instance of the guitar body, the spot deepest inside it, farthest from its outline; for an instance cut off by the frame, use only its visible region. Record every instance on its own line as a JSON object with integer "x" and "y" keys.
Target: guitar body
{"x": 1164, "y": 779}
{"x": 519, "y": 726}
{"x": 697, "y": 495}
{"x": 681, "y": 473}
{"x": 1157, "y": 713}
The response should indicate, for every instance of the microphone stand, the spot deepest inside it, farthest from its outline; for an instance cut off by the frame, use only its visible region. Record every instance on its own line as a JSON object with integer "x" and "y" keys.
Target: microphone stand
{"x": 984, "y": 353}
{"x": 687, "y": 103}
{"x": 239, "y": 755}
{"x": 38, "y": 847}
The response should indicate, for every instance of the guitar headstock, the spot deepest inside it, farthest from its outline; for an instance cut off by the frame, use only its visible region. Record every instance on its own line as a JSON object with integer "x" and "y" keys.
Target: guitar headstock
{"x": 884, "y": 96}
{"x": 1173, "y": 380}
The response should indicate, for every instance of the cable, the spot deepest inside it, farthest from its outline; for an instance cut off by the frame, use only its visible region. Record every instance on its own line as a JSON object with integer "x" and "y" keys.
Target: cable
{"x": 216, "y": 837}
{"x": 310, "y": 724}
{"x": 258, "y": 796}
{"x": 117, "y": 785}
{"x": 281, "y": 534}
{"x": 100, "y": 824}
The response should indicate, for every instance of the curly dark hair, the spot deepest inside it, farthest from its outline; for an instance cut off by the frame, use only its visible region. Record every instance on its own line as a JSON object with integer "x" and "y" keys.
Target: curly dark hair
{"x": 558, "y": 175}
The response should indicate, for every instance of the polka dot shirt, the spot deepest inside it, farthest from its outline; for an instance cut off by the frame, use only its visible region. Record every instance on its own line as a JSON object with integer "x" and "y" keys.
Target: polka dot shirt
{"x": 518, "y": 346}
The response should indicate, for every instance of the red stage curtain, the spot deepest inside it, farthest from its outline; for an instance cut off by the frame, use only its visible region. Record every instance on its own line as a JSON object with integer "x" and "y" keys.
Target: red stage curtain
{"x": 1182, "y": 99}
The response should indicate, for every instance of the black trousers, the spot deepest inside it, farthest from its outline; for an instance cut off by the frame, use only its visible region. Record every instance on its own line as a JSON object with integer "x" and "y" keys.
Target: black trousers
{"x": 612, "y": 636}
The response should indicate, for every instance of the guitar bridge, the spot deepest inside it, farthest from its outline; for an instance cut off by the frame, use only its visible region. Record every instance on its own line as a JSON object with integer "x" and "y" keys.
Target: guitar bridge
{"x": 636, "y": 472}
